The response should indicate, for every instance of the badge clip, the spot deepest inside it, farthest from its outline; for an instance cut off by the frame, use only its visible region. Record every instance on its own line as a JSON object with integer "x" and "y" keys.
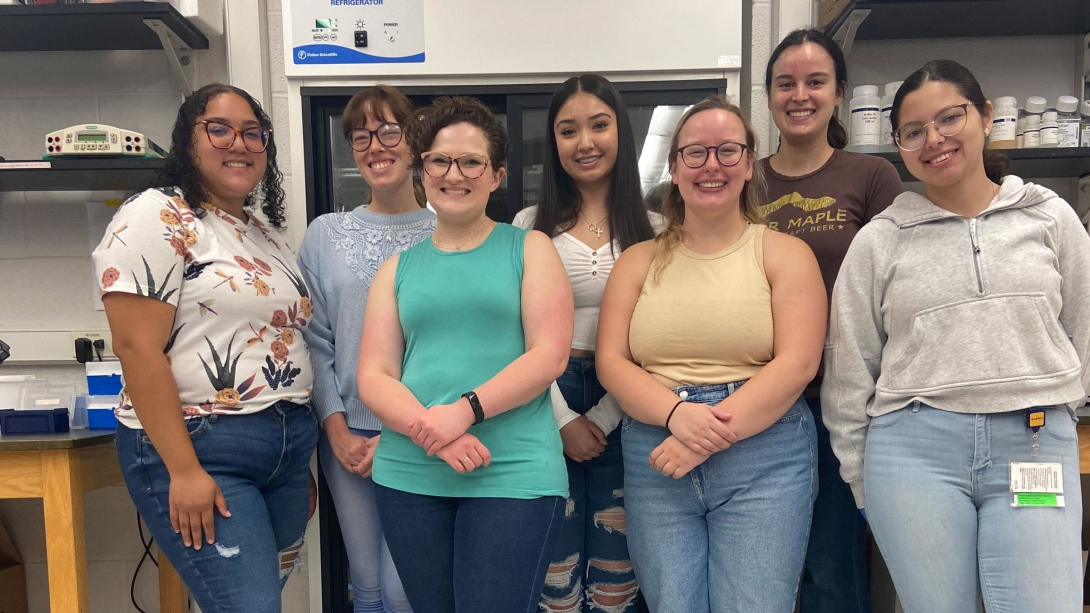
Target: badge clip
{"x": 1035, "y": 419}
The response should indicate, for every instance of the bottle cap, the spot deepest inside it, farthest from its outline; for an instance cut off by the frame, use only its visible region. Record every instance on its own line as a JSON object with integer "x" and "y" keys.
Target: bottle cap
{"x": 1049, "y": 118}
{"x": 1067, "y": 104}
{"x": 1085, "y": 108}
{"x": 1035, "y": 105}
{"x": 1006, "y": 101}
{"x": 891, "y": 88}
{"x": 865, "y": 90}
{"x": 1033, "y": 122}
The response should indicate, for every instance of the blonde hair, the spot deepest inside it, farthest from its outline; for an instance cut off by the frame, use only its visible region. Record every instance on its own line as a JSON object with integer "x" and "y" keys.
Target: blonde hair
{"x": 673, "y": 206}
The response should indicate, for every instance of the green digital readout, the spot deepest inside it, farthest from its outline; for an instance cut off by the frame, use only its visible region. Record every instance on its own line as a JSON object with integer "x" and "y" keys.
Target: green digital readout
{"x": 90, "y": 138}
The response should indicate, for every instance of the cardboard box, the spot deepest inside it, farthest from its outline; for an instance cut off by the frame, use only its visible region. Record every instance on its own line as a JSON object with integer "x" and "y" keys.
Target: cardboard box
{"x": 12, "y": 577}
{"x": 829, "y": 9}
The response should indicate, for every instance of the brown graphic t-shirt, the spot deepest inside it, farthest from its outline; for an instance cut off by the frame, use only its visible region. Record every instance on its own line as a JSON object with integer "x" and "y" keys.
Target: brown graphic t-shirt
{"x": 827, "y": 207}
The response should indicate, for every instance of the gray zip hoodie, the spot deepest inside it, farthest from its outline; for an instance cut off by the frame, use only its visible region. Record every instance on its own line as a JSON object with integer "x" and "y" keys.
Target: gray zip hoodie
{"x": 983, "y": 315}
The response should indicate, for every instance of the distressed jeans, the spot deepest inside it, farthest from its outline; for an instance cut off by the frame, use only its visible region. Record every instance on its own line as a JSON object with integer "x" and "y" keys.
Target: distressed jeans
{"x": 261, "y": 462}
{"x": 590, "y": 565}
{"x": 730, "y": 536}
{"x": 937, "y": 491}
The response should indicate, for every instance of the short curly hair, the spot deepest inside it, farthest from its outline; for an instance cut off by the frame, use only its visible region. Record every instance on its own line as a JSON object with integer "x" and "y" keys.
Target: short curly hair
{"x": 446, "y": 111}
{"x": 180, "y": 171}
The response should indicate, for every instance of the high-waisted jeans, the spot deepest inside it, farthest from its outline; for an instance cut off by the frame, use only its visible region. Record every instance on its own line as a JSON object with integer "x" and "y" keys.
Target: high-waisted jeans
{"x": 261, "y": 462}
{"x": 730, "y": 536}
{"x": 937, "y": 493}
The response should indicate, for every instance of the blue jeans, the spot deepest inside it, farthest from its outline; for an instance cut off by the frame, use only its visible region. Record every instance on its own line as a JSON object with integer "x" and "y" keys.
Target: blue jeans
{"x": 937, "y": 492}
{"x": 470, "y": 555}
{"x": 592, "y": 549}
{"x": 376, "y": 588}
{"x": 731, "y": 535}
{"x": 835, "y": 578}
{"x": 261, "y": 462}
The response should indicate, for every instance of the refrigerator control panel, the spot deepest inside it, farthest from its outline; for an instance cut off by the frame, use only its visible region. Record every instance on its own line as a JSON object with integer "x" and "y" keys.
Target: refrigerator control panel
{"x": 354, "y": 32}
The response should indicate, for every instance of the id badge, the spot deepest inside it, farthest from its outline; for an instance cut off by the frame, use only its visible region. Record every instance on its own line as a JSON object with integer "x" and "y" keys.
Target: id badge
{"x": 1036, "y": 482}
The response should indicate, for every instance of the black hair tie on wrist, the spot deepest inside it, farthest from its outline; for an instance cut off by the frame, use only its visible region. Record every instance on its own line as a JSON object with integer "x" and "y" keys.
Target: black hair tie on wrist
{"x": 672, "y": 413}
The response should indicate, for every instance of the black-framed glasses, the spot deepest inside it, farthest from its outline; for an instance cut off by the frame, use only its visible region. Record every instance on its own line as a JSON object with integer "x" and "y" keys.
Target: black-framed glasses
{"x": 222, "y": 136}
{"x": 728, "y": 154}
{"x": 389, "y": 134}
{"x": 471, "y": 165}
{"x": 949, "y": 122}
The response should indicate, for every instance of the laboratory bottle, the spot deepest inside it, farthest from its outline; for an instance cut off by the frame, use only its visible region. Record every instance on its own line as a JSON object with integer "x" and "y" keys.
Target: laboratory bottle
{"x": 866, "y": 117}
{"x": 886, "y": 142}
{"x": 1050, "y": 131}
{"x": 1084, "y": 124}
{"x": 1067, "y": 119}
{"x": 1004, "y": 124}
{"x": 1032, "y": 137}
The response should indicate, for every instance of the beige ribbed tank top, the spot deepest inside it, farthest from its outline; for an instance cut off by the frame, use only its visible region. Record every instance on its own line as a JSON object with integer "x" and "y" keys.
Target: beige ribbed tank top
{"x": 708, "y": 319}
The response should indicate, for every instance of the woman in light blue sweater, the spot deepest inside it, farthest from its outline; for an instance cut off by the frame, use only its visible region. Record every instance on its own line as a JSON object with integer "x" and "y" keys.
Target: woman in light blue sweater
{"x": 338, "y": 259}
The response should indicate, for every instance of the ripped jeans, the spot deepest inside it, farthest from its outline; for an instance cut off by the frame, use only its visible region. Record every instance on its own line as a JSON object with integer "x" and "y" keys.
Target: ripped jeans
{"x": 590, "y": 569}
{"x": 261, "y": 462}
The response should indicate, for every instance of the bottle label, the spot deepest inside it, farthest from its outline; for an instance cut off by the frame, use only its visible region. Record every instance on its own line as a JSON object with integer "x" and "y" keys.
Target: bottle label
{"x": 1003, "y": 129}
{"x": 1032, "y": 139}
{"x": 865, "y": 125}
{"x": 886, "y": 137}
{"x": 1069, "y": 134}
{"x": 1050, "y": 136}
{"x": 1084, "y": 139}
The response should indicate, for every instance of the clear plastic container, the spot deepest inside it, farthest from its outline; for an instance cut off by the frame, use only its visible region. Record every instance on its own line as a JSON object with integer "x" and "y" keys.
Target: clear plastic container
{"x": 1067, "y": 119}
{"x": 46, "y": 396}
{"x": 9, "y": 389}
{"x": 1084, "y": 124}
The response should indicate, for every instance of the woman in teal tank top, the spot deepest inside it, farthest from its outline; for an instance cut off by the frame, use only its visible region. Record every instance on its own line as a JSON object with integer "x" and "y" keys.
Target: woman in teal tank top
{"x": 462, "y": 337}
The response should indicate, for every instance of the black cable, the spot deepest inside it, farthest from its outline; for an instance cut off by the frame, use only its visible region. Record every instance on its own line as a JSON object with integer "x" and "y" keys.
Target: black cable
{"x": 147, "y": 554}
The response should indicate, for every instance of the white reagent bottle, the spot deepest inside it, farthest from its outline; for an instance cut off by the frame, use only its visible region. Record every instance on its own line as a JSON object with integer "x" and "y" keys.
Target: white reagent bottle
{"x": 866, "y": 115}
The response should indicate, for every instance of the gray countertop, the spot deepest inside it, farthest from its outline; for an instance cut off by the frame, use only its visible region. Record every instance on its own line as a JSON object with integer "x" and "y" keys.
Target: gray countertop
{"x": 73, "y": 439}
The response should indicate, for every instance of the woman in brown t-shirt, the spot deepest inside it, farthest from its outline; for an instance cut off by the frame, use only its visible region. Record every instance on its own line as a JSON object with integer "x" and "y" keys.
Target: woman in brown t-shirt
{"x": 823, "y": 195}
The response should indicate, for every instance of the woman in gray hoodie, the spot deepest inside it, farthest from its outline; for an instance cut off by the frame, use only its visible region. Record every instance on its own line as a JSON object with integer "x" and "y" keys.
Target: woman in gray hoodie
{"x": 959, "y": 319}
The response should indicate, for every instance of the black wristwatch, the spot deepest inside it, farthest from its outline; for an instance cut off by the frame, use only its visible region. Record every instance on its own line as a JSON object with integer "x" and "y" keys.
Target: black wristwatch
{"x": 475, "y": 404}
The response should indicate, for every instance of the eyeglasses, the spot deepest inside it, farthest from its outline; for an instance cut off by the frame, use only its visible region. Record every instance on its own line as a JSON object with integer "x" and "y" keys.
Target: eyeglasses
{"x": 949, "y": 122}
{"x": 389, "y": 134}
{"x": 728, "y": 154}
{"x": 222, "y": 136}
{"x": 471, "y": 165}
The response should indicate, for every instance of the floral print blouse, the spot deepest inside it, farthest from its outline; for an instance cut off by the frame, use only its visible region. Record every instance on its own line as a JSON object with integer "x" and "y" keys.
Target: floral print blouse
{"x": 236, "y": 346}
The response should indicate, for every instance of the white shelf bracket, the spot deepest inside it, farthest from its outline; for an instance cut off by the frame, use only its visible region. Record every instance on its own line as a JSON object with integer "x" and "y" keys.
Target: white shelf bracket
{"x": 178, "y": 53}
{"x": 845, "y": 34}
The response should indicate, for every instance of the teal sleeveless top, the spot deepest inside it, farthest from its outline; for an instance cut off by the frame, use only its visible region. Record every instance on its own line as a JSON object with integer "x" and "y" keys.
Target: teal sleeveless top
{"x": 461, "y": 314}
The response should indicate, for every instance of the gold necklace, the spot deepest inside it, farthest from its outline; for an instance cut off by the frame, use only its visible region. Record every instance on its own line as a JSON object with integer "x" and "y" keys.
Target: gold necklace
{"x": 466, "y": 241}
{"x": 597, "y": 228}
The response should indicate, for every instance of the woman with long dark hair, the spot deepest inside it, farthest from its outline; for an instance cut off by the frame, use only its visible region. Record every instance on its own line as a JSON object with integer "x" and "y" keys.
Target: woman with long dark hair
{"x": 823, "y": 195}
{"x": 958, "y": 346}
{"x": 592, "y": 208}
{"x": 206, "y": 307}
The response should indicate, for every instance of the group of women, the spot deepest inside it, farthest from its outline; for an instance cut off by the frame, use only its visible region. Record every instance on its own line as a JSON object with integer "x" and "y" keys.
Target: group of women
{"x": 599, "y": 408}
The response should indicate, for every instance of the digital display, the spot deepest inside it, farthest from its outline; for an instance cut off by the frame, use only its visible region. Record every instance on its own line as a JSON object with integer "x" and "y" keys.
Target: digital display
{"x": 90, "y": 138}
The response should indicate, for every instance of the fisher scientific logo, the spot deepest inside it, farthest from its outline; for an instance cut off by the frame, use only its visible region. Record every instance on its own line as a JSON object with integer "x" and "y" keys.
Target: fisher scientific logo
{"x": 355, "y": 2}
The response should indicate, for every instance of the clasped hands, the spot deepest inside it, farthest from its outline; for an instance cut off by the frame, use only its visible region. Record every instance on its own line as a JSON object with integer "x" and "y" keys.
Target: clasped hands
{"x": 697, "y": 431}
{"x": 442, "y": 431}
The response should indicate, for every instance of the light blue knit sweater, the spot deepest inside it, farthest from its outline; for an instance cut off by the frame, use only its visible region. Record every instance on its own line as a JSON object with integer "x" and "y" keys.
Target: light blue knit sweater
{"x": 338, "y": 258}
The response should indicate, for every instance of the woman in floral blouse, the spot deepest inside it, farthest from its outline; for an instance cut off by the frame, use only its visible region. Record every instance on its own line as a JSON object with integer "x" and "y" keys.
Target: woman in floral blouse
{"x": 206, "y": 309}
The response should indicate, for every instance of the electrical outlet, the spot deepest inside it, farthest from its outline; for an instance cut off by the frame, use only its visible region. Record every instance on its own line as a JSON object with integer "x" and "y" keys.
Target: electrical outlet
{"x": 94, "y": 335}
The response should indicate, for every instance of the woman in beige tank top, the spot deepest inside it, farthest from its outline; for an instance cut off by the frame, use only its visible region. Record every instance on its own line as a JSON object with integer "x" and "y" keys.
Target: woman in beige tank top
{"x": 720, "y": 478}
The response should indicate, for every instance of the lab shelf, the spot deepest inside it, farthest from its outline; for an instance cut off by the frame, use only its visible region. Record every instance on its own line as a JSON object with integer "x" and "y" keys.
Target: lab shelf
{"x": 1027, "y": 163}
{"x": 92, "y": 27}
{"x": 113, "y": 174}
{"x": 893, "y": 19}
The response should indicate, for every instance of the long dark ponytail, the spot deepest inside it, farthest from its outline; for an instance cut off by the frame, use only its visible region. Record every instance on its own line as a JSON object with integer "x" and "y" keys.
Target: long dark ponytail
{"x": 837, "y": 134}
{"x": 996, "y": 165}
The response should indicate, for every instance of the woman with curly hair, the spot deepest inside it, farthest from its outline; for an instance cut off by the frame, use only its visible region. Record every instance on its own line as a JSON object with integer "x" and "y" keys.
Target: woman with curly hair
{"x": 204, "y": 300}
{"x": 463, "y": 335}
